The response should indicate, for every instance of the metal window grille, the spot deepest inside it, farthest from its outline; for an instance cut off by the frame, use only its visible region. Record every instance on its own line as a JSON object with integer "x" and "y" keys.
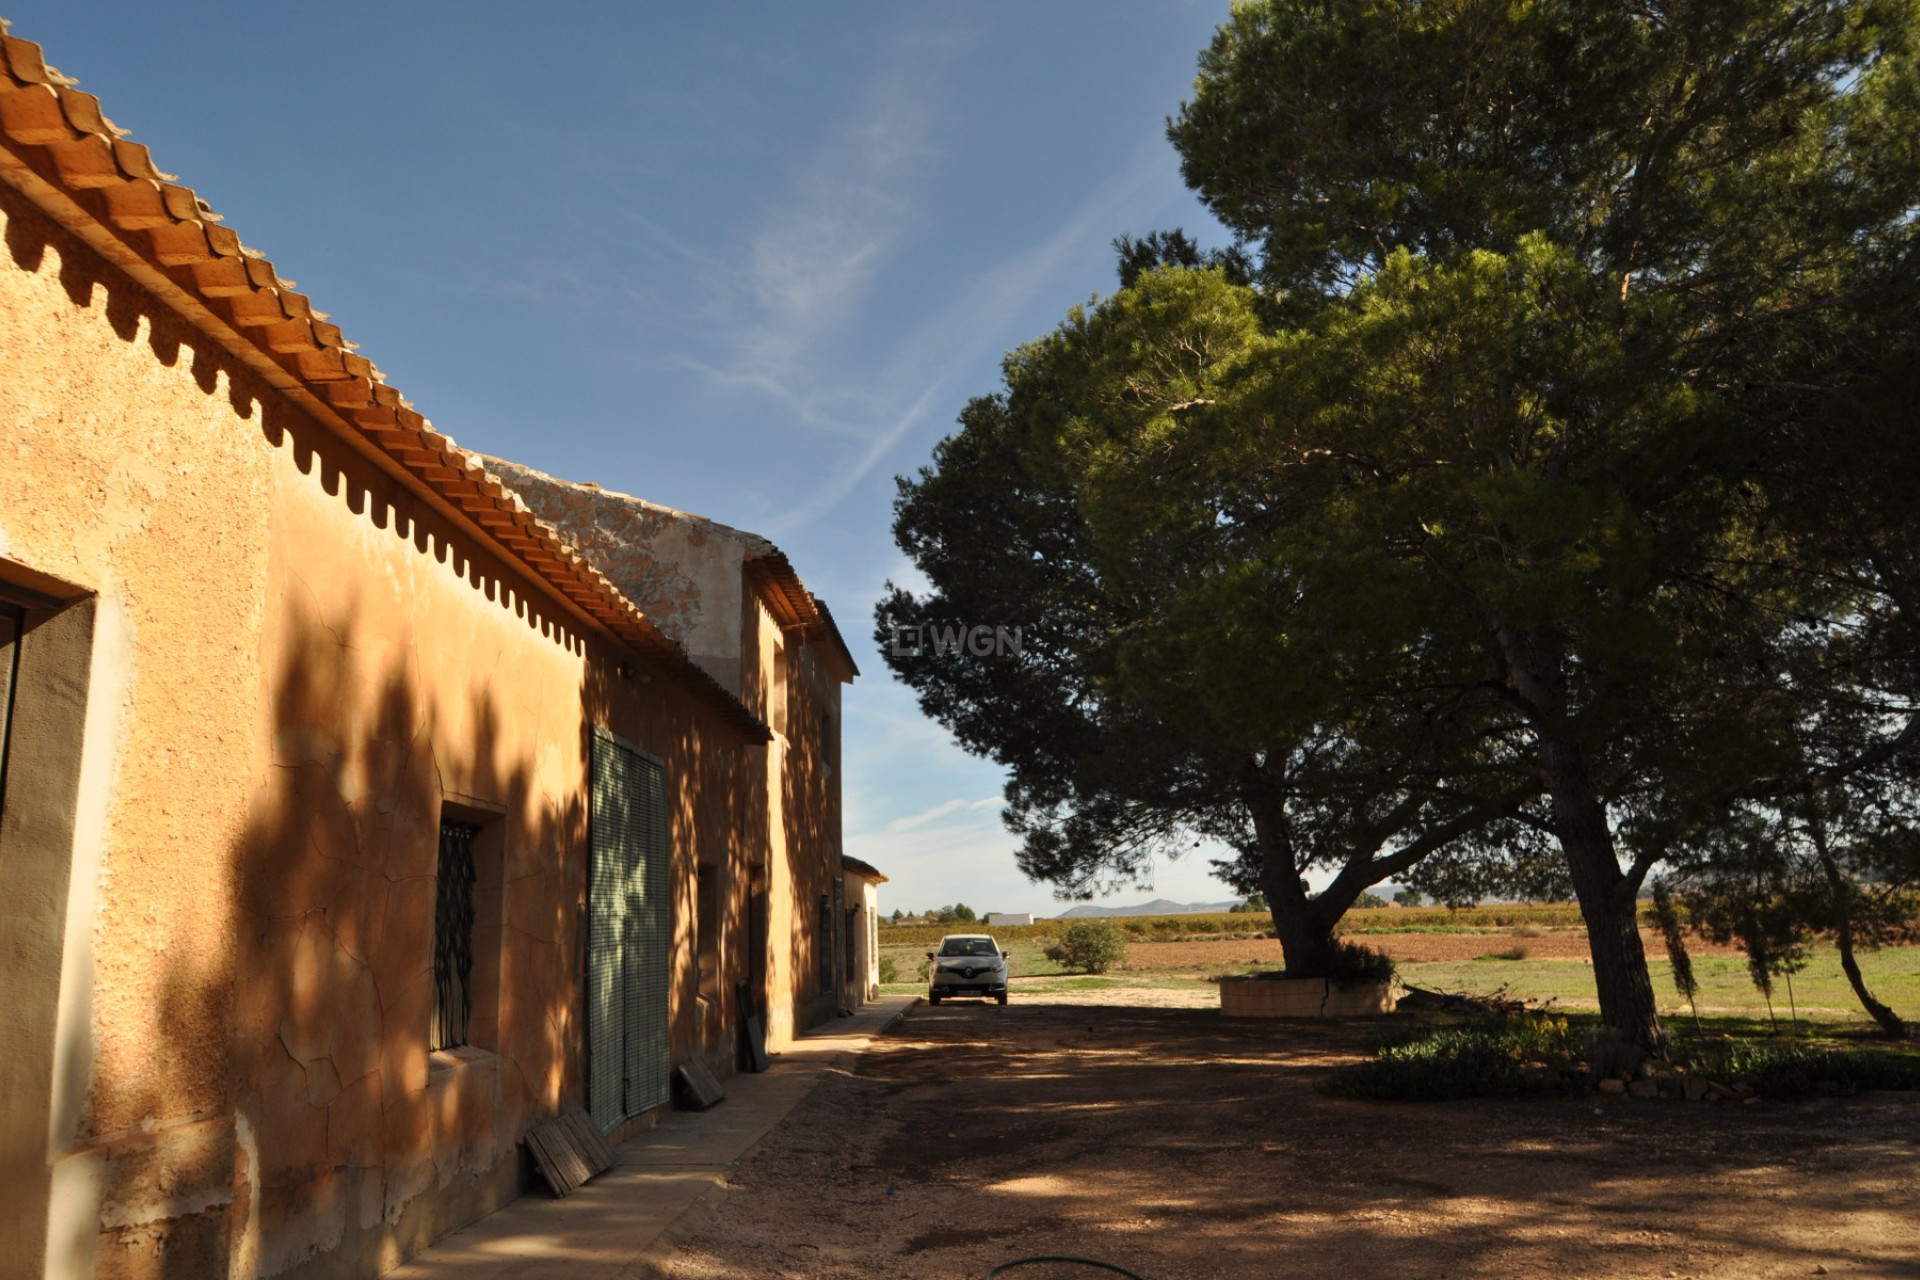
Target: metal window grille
{"x": 453, "y": 937}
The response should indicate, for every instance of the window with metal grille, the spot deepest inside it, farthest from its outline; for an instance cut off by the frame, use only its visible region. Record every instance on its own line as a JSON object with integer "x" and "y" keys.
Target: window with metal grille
{"x": 453, "y": 937}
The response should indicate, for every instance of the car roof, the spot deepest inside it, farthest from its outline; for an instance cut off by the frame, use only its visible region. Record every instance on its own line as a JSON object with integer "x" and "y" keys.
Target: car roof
{"x": 967, "y": 937}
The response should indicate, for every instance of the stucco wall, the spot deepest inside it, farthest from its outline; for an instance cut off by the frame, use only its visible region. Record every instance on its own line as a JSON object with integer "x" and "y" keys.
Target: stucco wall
{"x": 690, "y": 574}
{"x": 412, "y": 670}
{"x": 298, "y": 667}
{"x": 132, "y": 464}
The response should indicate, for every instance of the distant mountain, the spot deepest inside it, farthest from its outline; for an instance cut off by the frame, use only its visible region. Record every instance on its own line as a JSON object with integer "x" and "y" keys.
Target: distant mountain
{"x": 1158, "y": 907}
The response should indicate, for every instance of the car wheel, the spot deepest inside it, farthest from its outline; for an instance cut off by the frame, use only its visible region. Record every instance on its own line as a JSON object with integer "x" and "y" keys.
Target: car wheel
{"x": 933, "y": 999}
{"x": 1002, "y": 997}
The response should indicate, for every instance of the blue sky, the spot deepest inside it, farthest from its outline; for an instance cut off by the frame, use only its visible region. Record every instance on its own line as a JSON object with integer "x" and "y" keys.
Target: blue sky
{"x": 745, "y": 259}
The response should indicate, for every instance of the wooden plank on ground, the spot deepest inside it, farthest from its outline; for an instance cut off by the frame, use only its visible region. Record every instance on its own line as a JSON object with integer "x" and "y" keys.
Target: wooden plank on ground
{"x": 560, "y": 1164}
{"x": 756, "y": 1037}
{"x": 588, "y": 1140}
{"x": 698, "y": 1087}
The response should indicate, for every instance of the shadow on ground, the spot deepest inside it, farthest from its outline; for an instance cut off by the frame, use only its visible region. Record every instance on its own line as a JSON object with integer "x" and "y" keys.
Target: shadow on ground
{"x": 1183, "y": 1145}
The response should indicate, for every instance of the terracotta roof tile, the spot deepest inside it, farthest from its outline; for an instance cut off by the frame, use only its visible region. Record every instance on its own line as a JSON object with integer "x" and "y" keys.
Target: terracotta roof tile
{"x": 62, "y": 151}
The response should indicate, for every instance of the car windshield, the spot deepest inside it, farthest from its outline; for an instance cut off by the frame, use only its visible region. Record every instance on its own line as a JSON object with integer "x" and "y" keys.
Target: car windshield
{"x": 969, "y": 947}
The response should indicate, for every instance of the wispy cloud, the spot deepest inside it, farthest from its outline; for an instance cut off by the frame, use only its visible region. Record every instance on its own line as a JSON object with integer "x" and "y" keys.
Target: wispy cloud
{"x": 946, "y": 808}
{"x": 969, "y": 329}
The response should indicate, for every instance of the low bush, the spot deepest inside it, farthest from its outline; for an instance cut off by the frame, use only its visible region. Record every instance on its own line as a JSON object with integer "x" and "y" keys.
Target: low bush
{"x": 889, "y": 971}
{"x": 1093, "y": 946}
{"x": 1782, "y": 1070}
{"x": 1356, "y": 962}
{"x": 1534, "y": 1053}
{"x": 1462, "y": 1062}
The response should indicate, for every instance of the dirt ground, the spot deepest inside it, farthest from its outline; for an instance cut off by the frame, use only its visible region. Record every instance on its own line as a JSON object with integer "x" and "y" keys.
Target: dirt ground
{"x": 1182, "y": 1145}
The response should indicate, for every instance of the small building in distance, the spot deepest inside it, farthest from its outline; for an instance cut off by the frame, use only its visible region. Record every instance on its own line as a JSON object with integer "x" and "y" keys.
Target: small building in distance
{"x": 1007, "y": 919}
{"x": 860, "y": 941}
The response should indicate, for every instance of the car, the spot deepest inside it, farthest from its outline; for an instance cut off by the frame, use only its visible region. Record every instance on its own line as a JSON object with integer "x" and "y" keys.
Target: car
{"x": 968, "y": 964}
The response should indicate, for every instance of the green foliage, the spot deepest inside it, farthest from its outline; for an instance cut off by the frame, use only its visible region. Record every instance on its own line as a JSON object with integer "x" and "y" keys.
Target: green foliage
{"x": 1673, "y": 934}
{"x": 1092, "y": 946}
{"x": 889, "y": 970}
{"x": 1252, "y": 903}
{"x": 1349, "y": 961}
{"x": 1525, "y": 1054}
{"x": 1369, "y": 900}
{"x": 1780, "y": 1070}
{"x": 1536, "y": 1053}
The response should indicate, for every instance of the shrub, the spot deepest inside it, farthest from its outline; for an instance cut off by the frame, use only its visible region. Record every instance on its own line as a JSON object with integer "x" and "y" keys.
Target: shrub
{"x": 1782, "y": 1069}
{"x": 1524, "y": 1054}
{"x": 1094, "y": 946}
{"x": 1459, "y": 1062}
{"x": 889, "y": 971}
{"x": 1356, "y": 962}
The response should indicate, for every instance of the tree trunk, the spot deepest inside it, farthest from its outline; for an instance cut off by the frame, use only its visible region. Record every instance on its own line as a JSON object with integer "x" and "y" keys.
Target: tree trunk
{"x": 1305, "y": 942}
{"x": 1607, "y": 899}
{"x": 1607, "y": 895}
{"x": 1306, "y": 936}
{"x": 1890, "y": 1022}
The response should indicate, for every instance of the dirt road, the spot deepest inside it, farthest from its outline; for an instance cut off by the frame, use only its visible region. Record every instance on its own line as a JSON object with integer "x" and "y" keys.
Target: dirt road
{"x": 1182, "y": 1145}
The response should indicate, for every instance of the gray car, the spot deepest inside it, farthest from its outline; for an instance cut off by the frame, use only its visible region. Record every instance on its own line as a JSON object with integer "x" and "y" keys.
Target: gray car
{"x": 968, "y": 964}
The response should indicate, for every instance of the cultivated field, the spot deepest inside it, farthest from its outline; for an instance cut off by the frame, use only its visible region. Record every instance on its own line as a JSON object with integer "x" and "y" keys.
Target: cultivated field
{"x": 1535, "y": 953}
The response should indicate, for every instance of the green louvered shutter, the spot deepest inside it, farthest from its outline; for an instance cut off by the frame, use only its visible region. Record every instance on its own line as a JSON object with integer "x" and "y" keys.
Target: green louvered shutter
{"x": 628, "y": 933}
{"x": 650, "y": 926}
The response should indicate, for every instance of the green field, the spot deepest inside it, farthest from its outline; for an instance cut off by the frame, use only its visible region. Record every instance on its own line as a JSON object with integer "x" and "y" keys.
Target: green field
{"x": 1820, "y": 992}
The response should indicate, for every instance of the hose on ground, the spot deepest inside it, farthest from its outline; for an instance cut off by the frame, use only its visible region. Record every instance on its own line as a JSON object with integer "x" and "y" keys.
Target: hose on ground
{"x": 1081, "y": 1262}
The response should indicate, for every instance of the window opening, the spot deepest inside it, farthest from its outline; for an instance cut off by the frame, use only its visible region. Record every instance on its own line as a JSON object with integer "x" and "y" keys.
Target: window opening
{"x": 850, "y": 954}
{"x": 453, "y": 937}
{"x": 12, "y": 623}
{"x": 823, "y": 943}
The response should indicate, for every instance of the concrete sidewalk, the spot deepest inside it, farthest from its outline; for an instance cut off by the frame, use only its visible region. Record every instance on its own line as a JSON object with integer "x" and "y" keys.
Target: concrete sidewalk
{"x": 625, "y": 1222}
